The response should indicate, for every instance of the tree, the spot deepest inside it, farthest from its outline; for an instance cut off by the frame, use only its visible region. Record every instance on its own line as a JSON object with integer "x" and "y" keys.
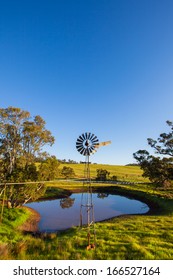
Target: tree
{"x": 102, "y": 195}
{"x": 35, "y": 136}
{"x": 158, "y": 169}
{"x": 114, "y": 178}
{"x": 67, "y": 172}
{"x": 11, "y": 123}
{"x": 67, "y": 202}
{"x": 21, "y": 194}
{"x": 21, "y": 141}
{"x": 49, "y": 169}
{"x": 102, "y": 175}
{"x": 164, "y": 143}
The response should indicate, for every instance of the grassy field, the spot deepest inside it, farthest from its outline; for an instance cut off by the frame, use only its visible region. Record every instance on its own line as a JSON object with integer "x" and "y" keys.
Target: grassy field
{"x": 148, "y": 236}
{"x": 124, "y": 173}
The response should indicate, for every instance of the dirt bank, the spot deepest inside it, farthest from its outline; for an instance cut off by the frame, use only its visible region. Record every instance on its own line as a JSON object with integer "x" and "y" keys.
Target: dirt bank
{"x": 31, "y": 225}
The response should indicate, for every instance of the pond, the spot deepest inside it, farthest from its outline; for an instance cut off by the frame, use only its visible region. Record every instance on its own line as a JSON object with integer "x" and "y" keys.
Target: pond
{"x": 61, "y": 214}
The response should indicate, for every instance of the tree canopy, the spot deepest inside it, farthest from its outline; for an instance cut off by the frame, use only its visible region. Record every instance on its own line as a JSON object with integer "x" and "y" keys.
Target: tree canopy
{"x": 102, "y": 175}
{"x": 159, "y": 169}
{"x": 67, "y": 172}
{"x": 22, "y": 139}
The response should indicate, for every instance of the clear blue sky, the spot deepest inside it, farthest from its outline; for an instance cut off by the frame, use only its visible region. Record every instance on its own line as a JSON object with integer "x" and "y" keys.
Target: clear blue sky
{"x": 102, "y": 66}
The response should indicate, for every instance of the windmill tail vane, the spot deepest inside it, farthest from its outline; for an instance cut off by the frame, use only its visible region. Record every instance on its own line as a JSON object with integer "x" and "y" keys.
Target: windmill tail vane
{"x": 102, "y": 144}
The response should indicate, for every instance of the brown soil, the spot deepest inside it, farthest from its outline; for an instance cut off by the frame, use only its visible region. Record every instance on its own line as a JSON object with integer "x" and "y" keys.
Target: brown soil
{"x": 31, "y": 225}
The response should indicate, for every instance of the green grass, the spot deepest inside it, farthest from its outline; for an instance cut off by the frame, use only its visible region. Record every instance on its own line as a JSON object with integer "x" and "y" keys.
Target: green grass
{"x": 11, "y": 238}
{"x": 147, "y": 236}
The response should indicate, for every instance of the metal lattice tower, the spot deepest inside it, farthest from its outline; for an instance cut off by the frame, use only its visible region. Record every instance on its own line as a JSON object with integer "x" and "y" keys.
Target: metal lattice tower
{"x": 86, "y": 145}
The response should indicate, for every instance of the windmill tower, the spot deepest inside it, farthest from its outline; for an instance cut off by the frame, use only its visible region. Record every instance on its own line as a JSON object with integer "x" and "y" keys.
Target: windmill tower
{"x": 86, "y": 145}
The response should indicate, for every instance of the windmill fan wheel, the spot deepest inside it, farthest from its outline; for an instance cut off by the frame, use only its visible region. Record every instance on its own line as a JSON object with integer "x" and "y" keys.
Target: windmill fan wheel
{"x": 86, "y": 144}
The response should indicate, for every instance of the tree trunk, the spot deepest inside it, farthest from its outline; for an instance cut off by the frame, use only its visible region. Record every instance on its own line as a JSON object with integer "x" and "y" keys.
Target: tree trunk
{"x": 9, "y": 204}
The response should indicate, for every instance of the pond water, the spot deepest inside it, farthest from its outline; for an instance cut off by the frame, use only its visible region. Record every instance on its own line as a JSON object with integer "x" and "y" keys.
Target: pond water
{"x": 60, "y": 214}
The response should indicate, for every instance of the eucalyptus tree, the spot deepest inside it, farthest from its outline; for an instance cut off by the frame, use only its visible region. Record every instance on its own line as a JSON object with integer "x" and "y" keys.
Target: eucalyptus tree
{"x": 67, "y": 172}
{"x": 35, "y": 136}
{"x": 159, "y": 169}
{"x": 11, "y": 127}
{"x": 102, "y": 175}
{"x": 49, "y": 169}
{"x": 22, "y": 139}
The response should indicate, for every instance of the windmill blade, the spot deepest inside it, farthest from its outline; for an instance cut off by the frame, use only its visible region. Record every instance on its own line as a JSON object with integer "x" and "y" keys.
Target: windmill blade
{"x": 89, "y": 135}
{"x": 95, "y": 141}
{"x": 83, "y": 135}
{"x": 91, "y": 150}
{"x": 81, "y": 150}
{"x": 102, "y": 144}
{"x": 79, "y": 144}
{"x": 79, "y": 147}
{"x": 79, "y": 141}
{"x": 92, "y": 137}
{"x": 86, "y": 135}
{"x": 80, "y": 138}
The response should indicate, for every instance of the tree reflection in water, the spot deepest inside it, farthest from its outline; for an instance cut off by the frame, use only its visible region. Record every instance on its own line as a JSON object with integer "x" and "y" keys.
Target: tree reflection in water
{"x": 67, "y": 202}
{"x": 102, "y": 195}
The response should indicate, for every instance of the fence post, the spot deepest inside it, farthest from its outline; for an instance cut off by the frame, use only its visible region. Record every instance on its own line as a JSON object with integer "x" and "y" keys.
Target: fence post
{"x": 3, "y": 203}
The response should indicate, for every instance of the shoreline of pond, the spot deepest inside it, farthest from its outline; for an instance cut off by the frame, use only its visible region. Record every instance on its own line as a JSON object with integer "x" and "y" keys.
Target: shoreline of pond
{"x": 31, "y": 225}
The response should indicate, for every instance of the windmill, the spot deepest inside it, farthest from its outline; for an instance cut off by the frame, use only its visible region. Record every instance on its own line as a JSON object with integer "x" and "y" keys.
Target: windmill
{"x": 87, "y": 144}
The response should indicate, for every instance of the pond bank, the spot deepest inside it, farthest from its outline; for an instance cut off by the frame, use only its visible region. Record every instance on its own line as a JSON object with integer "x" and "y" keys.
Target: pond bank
{"x": 31, "y": 224}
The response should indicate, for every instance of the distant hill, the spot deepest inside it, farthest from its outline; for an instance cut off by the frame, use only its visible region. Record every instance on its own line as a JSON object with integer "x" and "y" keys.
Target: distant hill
{"x": 132, "y": 164}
